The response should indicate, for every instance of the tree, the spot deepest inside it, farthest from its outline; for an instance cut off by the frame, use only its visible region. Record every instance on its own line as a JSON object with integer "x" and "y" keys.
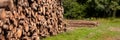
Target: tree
{"x": 73, "y": 10}
{"x": 114, "y": 6}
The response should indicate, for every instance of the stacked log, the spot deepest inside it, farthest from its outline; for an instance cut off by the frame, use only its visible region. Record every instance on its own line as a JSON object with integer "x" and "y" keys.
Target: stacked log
{"x": 82, "y": 23}
{"x": 30, "y": 19}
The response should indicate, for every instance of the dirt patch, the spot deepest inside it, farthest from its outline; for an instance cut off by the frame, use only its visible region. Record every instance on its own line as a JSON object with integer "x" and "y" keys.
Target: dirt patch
{"x": 117, "y": 29}
{"x": 114, "y": 29}
{"x": 113, "y": 38}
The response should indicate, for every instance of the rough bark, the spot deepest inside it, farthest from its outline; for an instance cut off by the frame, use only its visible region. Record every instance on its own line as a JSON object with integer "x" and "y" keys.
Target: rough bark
{"x": 30, "y": 19}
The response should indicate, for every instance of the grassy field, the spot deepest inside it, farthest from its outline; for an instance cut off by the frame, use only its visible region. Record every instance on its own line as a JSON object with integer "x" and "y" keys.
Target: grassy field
{"x": 108, "y": 29}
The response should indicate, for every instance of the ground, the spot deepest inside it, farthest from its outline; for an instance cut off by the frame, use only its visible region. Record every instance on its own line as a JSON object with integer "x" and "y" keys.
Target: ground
{"x": 108, "y": 29}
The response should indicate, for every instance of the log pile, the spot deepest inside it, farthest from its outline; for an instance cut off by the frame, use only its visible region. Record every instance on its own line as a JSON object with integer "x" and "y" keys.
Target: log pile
{"x": 82, "y": 23}
{"x": 30, "y": 19}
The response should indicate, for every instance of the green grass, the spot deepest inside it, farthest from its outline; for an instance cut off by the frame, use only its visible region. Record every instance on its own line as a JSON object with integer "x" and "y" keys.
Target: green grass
{"x": 101, "y": 32}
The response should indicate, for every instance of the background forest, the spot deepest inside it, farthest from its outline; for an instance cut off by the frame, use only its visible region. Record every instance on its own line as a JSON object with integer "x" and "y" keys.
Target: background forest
{"x": 77, "y": 9}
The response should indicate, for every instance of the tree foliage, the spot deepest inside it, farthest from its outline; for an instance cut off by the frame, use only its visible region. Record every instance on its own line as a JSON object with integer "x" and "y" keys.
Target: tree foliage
{"x": 75, "y": 9}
